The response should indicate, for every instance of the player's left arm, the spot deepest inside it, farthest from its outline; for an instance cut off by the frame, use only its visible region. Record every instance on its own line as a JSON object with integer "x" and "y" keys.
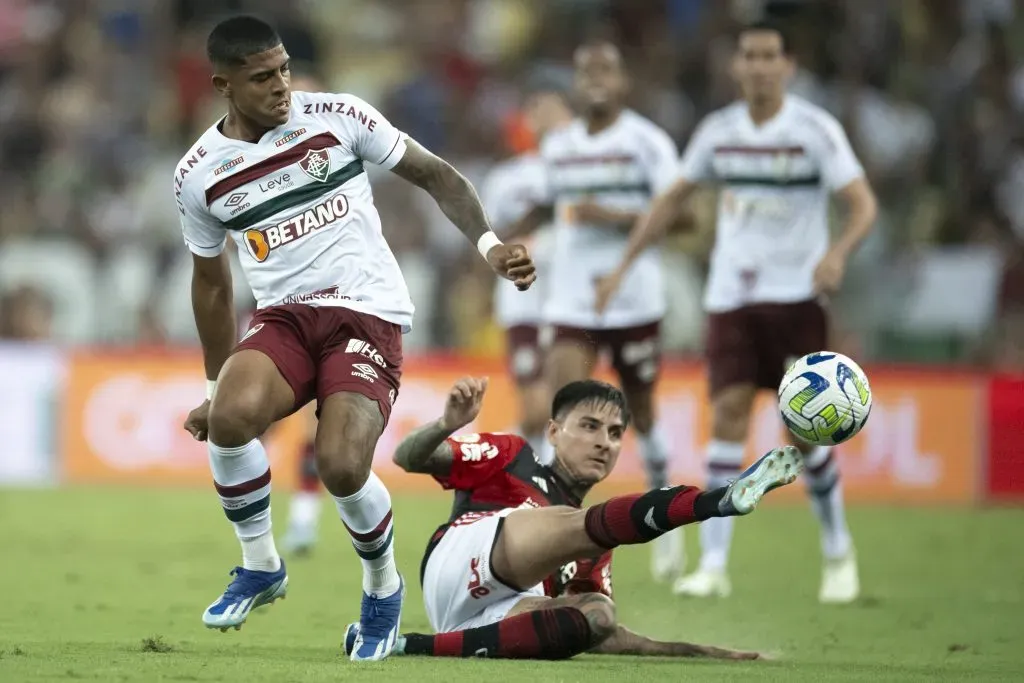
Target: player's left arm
{"x": 626, "y": 642}
{"x": 844, "y": 175}
{"x": 458, "y": 200}
{"x": 426, "y": 450}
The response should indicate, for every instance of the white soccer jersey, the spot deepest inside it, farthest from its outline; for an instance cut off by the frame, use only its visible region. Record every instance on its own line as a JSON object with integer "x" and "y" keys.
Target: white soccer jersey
{"x": 299, "y": 206}
{"x": 511, "y": 190}
{"x": 621, "y": 168}
{"x": 775, "y": 181}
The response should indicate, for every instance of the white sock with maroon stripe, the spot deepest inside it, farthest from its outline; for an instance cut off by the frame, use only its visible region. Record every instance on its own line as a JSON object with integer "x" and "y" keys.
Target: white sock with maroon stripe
{"x": 242, "y": 478}
{"x": 367, "y": 516}
{"x": 826, "y": 491}
{"x": 725, "y": 462}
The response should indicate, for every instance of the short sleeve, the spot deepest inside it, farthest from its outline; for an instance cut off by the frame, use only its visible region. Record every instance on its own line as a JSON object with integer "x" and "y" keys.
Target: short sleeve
{"x": 478, "y": 457}
{"x": 662, "y": 160}
{"x": 374, "y": 139}
{"x": 204, "y": 234}
{"x": 696, "y": 164}
{"x": 839, "y": 165}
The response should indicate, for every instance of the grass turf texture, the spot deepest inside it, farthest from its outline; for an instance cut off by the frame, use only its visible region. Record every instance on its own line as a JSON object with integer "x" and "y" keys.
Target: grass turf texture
{"x": 109, "y": 585}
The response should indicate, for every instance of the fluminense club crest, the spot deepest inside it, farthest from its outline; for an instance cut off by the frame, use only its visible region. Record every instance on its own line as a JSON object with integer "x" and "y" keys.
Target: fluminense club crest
{"x": 316, "y": 164}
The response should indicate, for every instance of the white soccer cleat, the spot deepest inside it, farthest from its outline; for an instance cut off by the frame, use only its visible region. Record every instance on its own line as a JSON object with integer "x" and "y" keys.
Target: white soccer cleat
{"x": 667, "y": 556}
{"x": 840, "y": 583}
{"x": 777, "y": 467}
{"x": 703, "y": 584}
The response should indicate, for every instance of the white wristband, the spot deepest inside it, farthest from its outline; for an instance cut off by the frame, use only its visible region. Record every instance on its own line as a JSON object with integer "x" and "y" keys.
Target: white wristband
{"x": 211, "y": 384}
{"x": 486, "y": 242}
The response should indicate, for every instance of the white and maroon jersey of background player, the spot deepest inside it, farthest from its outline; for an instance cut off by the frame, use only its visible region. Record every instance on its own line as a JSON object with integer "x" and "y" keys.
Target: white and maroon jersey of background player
{"x": 775, "y": 180}
{"x": 492, "y": 472}
{"x": 512, "y": 188}
{"x": 622, "y": 167}
{"x": 299, "y": 206}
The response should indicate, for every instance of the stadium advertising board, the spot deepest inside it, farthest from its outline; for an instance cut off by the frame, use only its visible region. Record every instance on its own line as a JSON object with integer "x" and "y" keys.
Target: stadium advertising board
{"x": 123, "y": 415}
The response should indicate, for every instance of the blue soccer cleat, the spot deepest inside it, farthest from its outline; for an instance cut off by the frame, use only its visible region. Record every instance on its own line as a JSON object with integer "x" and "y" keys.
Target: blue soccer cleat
{"x": 348, "y": 641}
{"x": 775, "y": 468}
{"x": 249, "y": 589}
{"x": 379, "y": 622}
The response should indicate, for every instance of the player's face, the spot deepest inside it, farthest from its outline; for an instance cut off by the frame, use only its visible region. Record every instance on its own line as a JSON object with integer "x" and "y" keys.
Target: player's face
{"x": 587, "y": 442}
{"x": 545, "y": 111}
{"x": 260, "y": 88}
{"x": 600, "y": 78}
{"x": 761, "y": 66}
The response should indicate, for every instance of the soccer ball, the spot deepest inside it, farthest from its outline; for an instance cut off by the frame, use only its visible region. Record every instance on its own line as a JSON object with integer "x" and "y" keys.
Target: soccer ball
{"x": 824, "y": 398}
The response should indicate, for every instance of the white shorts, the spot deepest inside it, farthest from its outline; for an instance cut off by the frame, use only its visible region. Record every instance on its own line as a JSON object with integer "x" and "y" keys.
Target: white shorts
{"x": 459, "y": 590}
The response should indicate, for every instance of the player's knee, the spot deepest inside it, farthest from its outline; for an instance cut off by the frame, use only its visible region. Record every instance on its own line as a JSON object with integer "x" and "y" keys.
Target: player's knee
{"x": 599, "y": 611}
{"x": 343, "y": 470}
{"x": 236, "y": 419}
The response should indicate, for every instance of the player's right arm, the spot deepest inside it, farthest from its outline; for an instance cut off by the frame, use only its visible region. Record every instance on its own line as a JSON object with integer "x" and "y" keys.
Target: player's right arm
{"x": 427, "y": 450}
{"x": 651, "y": 226}
{"x": 212, "y": 296}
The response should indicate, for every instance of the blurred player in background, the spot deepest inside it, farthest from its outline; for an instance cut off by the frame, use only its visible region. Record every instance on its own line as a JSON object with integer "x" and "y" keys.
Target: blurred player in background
{"x": 602, "y": 171}
{"x": 519, "y": 570}
{"x": 284, "y": 175}
{"x": 510, "y": 192}
{"x": 777, "y": 159}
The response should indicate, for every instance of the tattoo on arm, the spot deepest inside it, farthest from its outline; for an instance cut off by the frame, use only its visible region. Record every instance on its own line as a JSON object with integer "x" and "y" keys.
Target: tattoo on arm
{"x": 425, "y": 450}
{"x": 455, "y": 195}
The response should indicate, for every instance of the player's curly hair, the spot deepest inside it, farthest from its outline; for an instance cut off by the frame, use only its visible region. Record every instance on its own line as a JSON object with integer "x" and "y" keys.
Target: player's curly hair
{"x": 234, "y": 39}
{"x": 589, "y": 391}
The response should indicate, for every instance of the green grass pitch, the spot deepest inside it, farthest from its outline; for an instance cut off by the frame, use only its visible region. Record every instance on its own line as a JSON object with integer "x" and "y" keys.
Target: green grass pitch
{"x": 109, "y": 584}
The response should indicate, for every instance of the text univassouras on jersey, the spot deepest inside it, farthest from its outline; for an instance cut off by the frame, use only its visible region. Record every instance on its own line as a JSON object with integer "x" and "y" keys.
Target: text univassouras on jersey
{"x": 261, "y": 242}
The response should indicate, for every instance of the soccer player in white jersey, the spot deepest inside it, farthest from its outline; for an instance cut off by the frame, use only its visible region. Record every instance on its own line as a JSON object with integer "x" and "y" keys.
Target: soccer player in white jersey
{"x": 602, "y": 171}
{"x": 283, "y": 174}
{"x": 512, "y": 188}
{"x": 777, "y": 159}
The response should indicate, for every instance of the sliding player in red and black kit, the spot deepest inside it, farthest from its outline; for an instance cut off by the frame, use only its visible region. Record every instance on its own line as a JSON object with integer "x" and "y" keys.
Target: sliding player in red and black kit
{"x": 520, "y": 570}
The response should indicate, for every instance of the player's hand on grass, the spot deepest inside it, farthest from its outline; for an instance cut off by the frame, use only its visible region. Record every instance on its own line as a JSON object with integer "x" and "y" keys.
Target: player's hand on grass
{"x": 464, "y": 401}
{"x": 604, "y": 289}
{"x": 722, "y": 653}
{"x": 197, "y": 422}
{"x": 829, "y": 273}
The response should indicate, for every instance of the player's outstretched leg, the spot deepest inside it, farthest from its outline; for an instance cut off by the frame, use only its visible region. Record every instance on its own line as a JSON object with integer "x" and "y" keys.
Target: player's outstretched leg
{"x": 350, "y": 425}
{"x": 251, "y": 395}
{"x": 533, "y": 544}
{"x": 840, "y": 582}
{"x": 559, "y": 628}
{"x": 304, "y": 507}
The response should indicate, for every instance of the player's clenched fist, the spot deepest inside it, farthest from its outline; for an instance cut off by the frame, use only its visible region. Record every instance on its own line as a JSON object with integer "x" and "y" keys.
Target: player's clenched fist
{"x": 513, "y": 262}
{"x": 464, "y": 402}
{"x": 197, "y": 422}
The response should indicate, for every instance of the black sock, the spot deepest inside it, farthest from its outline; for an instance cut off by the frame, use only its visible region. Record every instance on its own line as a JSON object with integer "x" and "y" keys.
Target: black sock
{"x": 706, "y": 505}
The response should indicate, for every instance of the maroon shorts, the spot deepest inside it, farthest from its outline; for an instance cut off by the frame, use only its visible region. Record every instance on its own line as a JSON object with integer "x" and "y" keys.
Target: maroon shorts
{"x": 323, "y": 350}
{"x": 524, "y": 354}
{"x": 635, "y": 351}
{"x": 755, "y": 344}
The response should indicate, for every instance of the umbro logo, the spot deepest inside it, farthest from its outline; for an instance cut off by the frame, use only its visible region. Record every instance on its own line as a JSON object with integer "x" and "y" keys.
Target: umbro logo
{"x": 236, "y": 199}
{"x": 364, "y": 371}
{"x": 541, "y": 484}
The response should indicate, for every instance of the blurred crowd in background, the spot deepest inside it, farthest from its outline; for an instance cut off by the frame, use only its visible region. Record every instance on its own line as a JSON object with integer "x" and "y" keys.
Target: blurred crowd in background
{"x": 100, "y": 98}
